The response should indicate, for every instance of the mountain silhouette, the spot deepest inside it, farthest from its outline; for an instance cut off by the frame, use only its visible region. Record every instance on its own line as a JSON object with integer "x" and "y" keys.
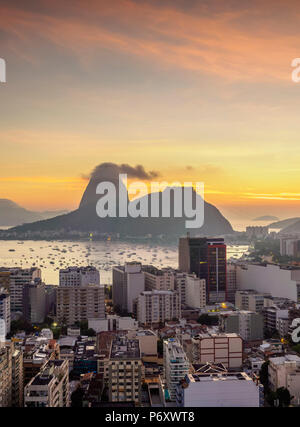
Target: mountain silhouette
{"x": 85, "y": 218}
{"x": 11, "y": 214}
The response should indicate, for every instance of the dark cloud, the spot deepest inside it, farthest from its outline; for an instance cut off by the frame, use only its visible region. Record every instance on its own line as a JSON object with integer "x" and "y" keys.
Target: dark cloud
{"x": 112, "y": 169}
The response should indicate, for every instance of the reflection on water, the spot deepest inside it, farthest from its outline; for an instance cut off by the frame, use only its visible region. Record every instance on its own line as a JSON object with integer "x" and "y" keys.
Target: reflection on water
{"x": 52, "y": 256}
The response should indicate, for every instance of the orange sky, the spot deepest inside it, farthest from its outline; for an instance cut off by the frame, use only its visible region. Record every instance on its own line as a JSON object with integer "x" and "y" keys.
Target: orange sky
{"x": 197, "y": 90}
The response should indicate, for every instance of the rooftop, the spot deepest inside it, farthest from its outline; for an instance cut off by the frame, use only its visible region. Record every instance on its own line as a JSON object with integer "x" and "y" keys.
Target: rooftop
{"x": 124, "y": 348}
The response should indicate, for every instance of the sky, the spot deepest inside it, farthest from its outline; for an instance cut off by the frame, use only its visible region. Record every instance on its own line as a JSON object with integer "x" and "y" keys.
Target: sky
{"x": 197, "y": 90}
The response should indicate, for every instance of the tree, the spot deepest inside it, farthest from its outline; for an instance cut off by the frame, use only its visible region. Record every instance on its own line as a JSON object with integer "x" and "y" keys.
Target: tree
{"x": 160, "y": 347}
{"x": 284, "y": 397}
{"x": 264, "y": 376}
{"x": 77, "y": 398}
{"x": 206, "y": 319}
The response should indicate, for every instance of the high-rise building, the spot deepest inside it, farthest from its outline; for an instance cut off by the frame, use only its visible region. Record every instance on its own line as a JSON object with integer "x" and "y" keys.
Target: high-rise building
{"x": 79, "y": 276}
{"x": 176, "y": 365}
{"x": 231, "y": 282}
{"x": 34, "y": 302}
{"x": 207, "y": 259}
{"x": 17, "y": 377}
{"x": 125, "y": 371}
{"x": 158, "y": 306}
{"x": 195, "y": 291}
{"x": 18, "y": 280}
{"x": 50, "y": 387}
{"x": 5, "y": 375}
{"x": 159, "y": 280}
{"x": 78, "y": 303}
{"x": 128, "y": 283}
{"x": 5, "y": 308}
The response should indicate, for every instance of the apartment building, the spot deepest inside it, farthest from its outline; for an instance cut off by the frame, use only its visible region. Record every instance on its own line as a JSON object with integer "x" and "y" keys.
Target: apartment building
{"x": 50, "y": 387}
{"x": 218, "y": 348}
{"x": 248, "y": 324}
{"x": 284, "y": 372}
{"x": 5, "y": 375}
{"x": 158, "y": 306}
{"x": 125, "y": 371}
{"x": 159, "y": 280}
{"x": 34, "y": 302}
{"x": 18, "y": 280}
{"x": 79, "y": 276}
{"x": 5, "y": 308}
{"x": 176, "y": 366}
{"x": 195, "y": 291}
{"x": 17, "y": 377}
{"x": 128, "y": 283}
{"x": 250, "y": 300}
{"x": 78, "y": 303}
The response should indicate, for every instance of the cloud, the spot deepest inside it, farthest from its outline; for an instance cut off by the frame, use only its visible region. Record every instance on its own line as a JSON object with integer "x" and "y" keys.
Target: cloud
{"x": 110, "y": 170}
{"x": 229, "y": 42}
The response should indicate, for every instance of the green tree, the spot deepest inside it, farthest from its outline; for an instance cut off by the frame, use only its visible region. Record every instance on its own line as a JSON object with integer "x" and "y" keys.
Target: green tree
{"x": 284, "y": 397}
{"x": 264, "y": 376}
{"x": 206, "y": 319}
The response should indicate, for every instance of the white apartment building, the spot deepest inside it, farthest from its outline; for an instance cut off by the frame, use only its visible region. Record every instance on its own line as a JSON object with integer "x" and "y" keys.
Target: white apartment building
{"x": 284, "y": 372}
{"x": 128, "y": 283}
{"x": 176, "y": 365}
{"x": 78, "y": 303}
{"x": 218, "y": 348}
{"x": 5, "y": 308}
{"x": 250, "y": 300}
{"x": 180, "y": 283}
{"x": 158, "y": 306}
{"x": 218, "y": 389}
{"x": 160, "y": 280}
{"x": 113, "y": 323}
{"x": 195, "y": 292}
{"x": 279, "y": 281}
{"x": 79, "y": 276}
{"x": 50, "y": 387}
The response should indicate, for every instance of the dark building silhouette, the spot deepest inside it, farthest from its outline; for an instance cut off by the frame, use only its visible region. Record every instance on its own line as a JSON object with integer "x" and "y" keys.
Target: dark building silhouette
{"x": 207, "y": 259}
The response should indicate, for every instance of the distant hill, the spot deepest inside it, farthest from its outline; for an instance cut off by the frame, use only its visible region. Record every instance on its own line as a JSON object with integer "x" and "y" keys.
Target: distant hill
{"x": 266, "y": 218}
{"x": 284, "y": 223}
{"x": 292, "y": 228}
{"x": 85, "y": 219}
{"x": 11, "y": 214}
